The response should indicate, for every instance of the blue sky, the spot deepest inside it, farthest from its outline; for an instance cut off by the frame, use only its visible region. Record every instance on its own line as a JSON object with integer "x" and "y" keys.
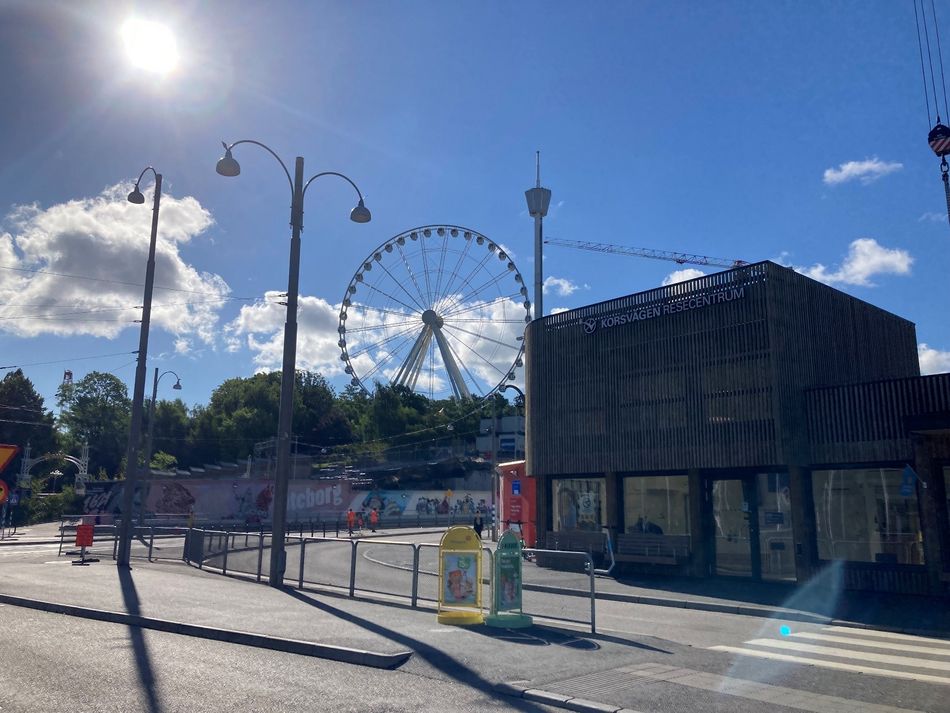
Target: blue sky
{"x": 750, "y": 130}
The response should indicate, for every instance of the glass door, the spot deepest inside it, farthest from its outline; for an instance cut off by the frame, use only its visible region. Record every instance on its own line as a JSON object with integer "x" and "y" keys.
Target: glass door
{"x": 735, "y": 527}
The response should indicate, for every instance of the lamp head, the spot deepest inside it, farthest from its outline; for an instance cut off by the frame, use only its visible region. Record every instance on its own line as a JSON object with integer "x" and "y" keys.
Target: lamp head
{"x": 227, "y": 165}
{"x": 136, "y": 196}
{"x": 177, "y": 386}
{"x": 361, "y": 214}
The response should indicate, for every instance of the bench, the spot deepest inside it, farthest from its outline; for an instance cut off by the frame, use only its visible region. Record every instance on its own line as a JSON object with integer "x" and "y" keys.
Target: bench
{"x": 593, "y": 543}
{"x": 652, "y": 549}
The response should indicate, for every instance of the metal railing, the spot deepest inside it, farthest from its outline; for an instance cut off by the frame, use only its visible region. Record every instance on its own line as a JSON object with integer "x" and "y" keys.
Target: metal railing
{"x": 410, "y": 569}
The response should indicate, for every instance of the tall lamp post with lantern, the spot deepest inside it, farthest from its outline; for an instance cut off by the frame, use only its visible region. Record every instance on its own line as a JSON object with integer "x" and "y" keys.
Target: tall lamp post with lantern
{"x": 123, "y": 553}
{"x": 228, "y": 166}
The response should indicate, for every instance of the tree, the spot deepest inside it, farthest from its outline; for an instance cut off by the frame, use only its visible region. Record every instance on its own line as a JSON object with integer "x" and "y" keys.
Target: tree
{"x": 318, "y": 420}
{"x": 96, "y": 409}
{"x": 171, "y": 428}
{"x": 23, "y": 419}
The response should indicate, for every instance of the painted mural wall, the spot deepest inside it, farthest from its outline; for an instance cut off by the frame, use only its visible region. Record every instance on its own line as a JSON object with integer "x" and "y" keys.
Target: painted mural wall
{"x": 252, "y": 501}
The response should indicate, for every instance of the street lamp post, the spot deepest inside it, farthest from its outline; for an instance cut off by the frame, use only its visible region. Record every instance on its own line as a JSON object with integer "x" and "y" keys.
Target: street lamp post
{"x": 228, "y": 166}
{"x": 151, "y": 411}
{"x": 138, "y": 393}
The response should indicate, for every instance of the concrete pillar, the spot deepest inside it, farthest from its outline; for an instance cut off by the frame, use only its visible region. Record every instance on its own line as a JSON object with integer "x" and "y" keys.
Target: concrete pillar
{"x": 933, "y": 510}
{"x": 613, "y": 488}
{"x": 804, "y": 533}
{"x": 701, "y": 546}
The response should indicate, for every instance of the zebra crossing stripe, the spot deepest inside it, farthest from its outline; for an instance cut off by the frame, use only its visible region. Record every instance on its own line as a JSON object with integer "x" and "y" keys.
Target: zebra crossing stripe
{"x": 840, "y": 653}
{"x": 887, "y": 635}
{"x": 890, "y": 646}
{"x": 836, "y": 665}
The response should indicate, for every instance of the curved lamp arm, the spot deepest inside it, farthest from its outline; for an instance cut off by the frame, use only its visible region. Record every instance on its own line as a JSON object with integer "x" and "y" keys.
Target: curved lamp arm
{"x": 269, "y": 150}
{"x": 147, "y": 168}
{"x": 332, "y": 173}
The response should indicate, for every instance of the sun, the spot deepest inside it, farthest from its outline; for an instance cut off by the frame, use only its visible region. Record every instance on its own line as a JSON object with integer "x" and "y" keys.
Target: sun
{"x": 150, "y": 46}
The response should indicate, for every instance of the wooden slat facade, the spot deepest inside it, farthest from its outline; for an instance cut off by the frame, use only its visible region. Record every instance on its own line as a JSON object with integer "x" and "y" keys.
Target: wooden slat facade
{"x": 866, "y": 423}
{"x": 717, "y": 386}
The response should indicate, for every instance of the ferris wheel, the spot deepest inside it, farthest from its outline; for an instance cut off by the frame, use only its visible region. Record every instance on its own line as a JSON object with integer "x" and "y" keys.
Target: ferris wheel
{"x": 439, "y": 309}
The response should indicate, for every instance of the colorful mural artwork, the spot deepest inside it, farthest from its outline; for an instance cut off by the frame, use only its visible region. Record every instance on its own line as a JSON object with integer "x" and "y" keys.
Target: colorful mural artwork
{"x": 251, "y": 501}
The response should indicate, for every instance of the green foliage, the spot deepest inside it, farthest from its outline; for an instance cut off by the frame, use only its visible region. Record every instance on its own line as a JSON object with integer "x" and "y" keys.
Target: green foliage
{"x": 96, "y": 409}
{"x": 49, "y": 508}
{"x": 163, "y": 461}
{"x": 23, "y": 419}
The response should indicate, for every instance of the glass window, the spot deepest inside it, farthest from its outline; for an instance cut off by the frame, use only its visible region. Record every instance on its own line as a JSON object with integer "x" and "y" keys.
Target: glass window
{"x": 579, "y": 504}
{"x": 776, "y": 545}
{"x": 656, "y": 504}
{"x": 867, "y": 515}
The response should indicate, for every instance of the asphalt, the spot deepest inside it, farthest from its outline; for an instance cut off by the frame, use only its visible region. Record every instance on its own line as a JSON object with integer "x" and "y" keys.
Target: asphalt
{"x": 176, "y": 598}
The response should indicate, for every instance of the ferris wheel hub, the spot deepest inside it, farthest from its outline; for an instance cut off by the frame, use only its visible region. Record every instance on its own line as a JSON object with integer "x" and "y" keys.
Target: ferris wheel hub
{"x": 432, "y": 320}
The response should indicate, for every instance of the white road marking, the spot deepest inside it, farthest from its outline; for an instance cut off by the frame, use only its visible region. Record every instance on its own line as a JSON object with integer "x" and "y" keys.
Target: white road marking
{"x": 887, "y": 635}
{"x": 763, "y": 692}
{"x": 840, "y": 653}
{"x": 890, "y": 646}
{"x": 837, "y": 665}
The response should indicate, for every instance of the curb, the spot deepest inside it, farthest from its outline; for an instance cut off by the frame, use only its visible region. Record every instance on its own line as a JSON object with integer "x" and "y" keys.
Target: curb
{"x": 558, "y": 700}
{"x": 343, "y": 654}
{"x": 12, "y": 543}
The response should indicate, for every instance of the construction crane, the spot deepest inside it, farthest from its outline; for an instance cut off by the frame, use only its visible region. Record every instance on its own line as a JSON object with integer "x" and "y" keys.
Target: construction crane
{"x": 681, "y": 258}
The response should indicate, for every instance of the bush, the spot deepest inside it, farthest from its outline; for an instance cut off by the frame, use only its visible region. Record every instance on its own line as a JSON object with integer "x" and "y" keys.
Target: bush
{"x": 51, "y": 507}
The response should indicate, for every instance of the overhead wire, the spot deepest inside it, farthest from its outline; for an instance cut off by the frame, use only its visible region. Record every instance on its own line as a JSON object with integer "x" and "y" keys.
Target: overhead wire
{"x": 943, "y": 80}
{"x": 118, "y": 282}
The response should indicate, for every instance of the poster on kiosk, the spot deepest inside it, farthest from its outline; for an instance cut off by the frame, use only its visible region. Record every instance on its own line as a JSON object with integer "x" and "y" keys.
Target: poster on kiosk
{"x": 460, "y": 577}
{"x": 517, "y": 502}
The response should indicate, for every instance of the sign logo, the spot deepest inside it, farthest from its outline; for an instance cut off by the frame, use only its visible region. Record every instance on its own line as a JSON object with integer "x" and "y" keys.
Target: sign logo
{"x": 684, "y": 304}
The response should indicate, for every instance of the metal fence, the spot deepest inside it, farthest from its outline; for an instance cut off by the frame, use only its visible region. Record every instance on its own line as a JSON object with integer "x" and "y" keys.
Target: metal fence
{"x": 405, "y": 571}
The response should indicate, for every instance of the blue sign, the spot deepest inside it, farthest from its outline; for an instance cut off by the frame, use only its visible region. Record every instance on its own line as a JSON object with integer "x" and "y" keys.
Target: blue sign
{"x": 516, "y": 487}
{"x": 14, "y": 498}
{"x": 907, "y": 482}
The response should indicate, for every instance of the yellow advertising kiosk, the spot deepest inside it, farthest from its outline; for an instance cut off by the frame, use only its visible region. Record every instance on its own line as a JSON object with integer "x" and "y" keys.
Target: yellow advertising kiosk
{"x": 460, "y": 577}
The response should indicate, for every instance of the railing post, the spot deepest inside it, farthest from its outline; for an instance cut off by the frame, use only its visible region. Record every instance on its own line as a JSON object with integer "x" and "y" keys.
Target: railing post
{"x": 354, "y": 544}
{"x": 224, "y": 563}
{"x": 260, "y": 555}
{"x": 62, "y": 535}
{"x": 303, "y": 550}
{"x": 201, "y": 550}
{"x": 115, "y": 541}
{"x": 184, "y": 550}
{"x": 151, "y": 542}
{"x": 415, "y": 573}
{"x": 593, "y": 597}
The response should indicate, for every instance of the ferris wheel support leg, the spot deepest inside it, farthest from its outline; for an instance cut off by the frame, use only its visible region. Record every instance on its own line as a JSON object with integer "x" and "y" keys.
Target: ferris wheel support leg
{"x": 455, "y": 376}
{"x": 413, "y": 361}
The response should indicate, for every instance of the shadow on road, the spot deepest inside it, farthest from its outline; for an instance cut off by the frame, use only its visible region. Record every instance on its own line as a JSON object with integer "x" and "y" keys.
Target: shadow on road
{"x": 143, "y": 663}
{"x": 436, "y": 658}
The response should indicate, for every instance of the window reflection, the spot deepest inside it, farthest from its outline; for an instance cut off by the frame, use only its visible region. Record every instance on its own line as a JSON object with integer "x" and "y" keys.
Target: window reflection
{"x": 657, "y": 505}
{"x": 867, "y": 515}
{"x": 579, "y": 504}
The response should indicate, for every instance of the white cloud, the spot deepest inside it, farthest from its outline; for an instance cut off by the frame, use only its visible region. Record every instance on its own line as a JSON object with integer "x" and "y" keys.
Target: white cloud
{"x": 865, "y": 171}
{"x": 558, "y": 310}
{"x": 931, "y": 217}
{"x": 932, "y": 361}
{"x": 105, "y": 238}
{"x": 558, "y": 286}
{"x": 865, "y": 259}
{"x": 682, "y": 275}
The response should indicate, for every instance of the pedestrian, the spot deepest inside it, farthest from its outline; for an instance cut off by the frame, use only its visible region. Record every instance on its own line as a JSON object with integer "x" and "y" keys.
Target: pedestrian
{"x": 373, "y": 519}
{"x": 360, "y": 521}
{"x": 350, "y": 520}
{"x": 477, "y": 525}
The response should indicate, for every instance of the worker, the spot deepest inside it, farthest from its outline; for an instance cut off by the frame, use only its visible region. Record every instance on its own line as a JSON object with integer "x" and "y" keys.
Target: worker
{"x": 373, "y": 519}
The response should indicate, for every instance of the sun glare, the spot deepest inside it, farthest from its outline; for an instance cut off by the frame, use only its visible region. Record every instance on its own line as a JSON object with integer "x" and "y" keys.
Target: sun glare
{"x": 150, "y": 46}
